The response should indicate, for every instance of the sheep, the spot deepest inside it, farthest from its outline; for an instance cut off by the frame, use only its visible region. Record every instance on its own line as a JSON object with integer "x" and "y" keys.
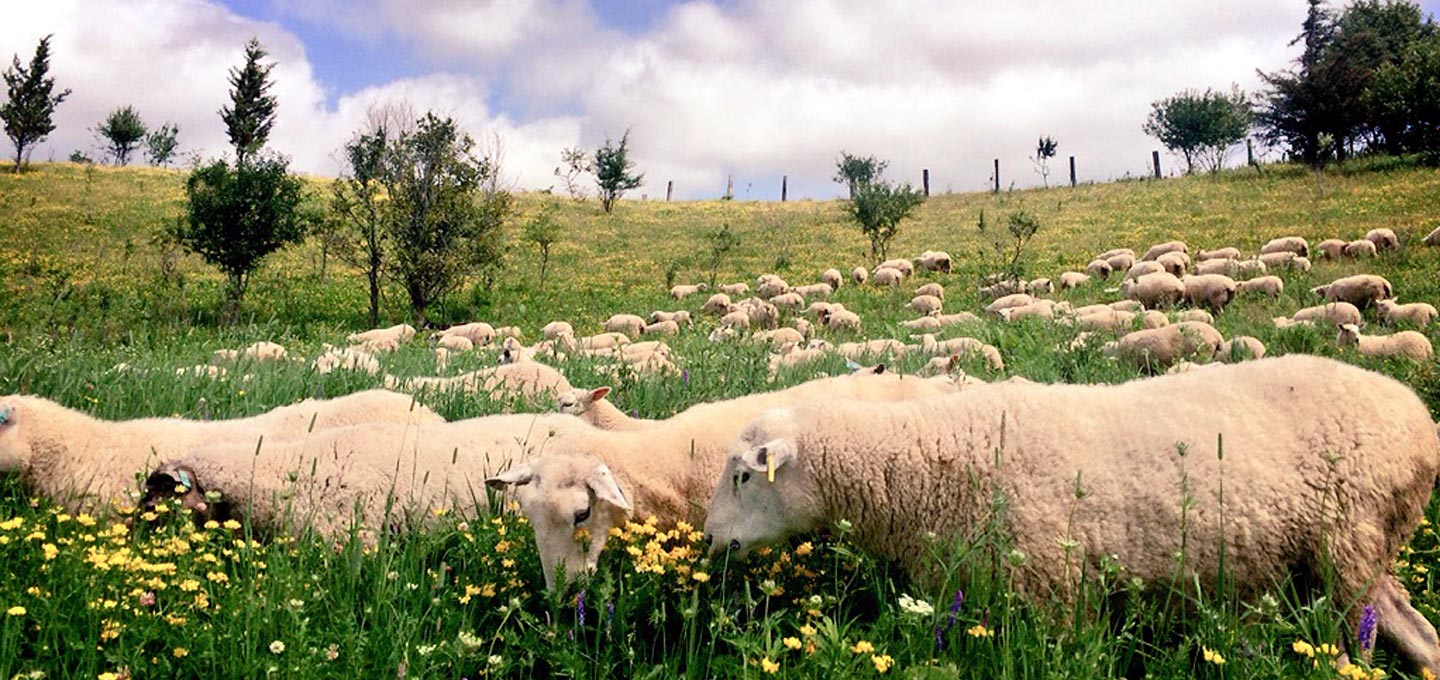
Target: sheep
{"x": 528, "y": 380}
{"x": 1120, "y": 261}
{"x": 736, "y": 319}
{"x": 780, "y": 339}
{"x": 833, "y": 278}
{"x": 1300, "y": 264}
{"x": 1333, "y": 314}
{"x": 204, "y": 371}
{"x": 718, "y": 304}
{"x": 1127, "y": 306}
{"x": 1228, "y": 253}
{"x": 629, "y": 324}
{"x": 87, "y": 463}
{"x": 1287, "y": 244}
{"x": 1194, "y": 315}
{"x": 1409, "y": 344}
{"x": 1331, "y": 248}
{"x": 902, "y": 473}
{"x": 796, "y": 356}
{"x": 771, "y": 288}
{"x": 842, "y": 319}
{"x": 454, "y": 343}
{"x": 1216, "y": 266}
{"x": 1272, "y": 286}
{"x": 510, "y": 332}
{"x": 348, "y": 359}
{"x": 555, "y": 329}
{"x": 1383, "y": 238}
{"x": 1070, "y": 280}
{"x": 1277, "y": 259}
{"x": 934, "y": 261}
{"x": 681, "y": 292}
{"x": 1012, "y": 300}
{"x": 1251, "y": 268}
{"x": 681, "y": 317}
{"x": 932, "y": 288}
{"x": 859, "y": 276}
{"x": 1361, "y": 290}
{"x": 1099, "y": 269}
{"x": 1044, "y": 309}
{"x": 662, "y": 469}
{"x": 1116, "y": 320}
{"x": 1159, "y": 249}
{"x": 735, "y": 289}
{"x": 813, "y": 290}
{"x": 591, "y": 406}
{"x": 761, "y": 313}
{"x": 1432, "y": 238}
{"x": 383, "y": 339}
{"x": 924, "y": 324}
{"x": 956, "y": 318}
{"x": 790, "y": 301}
{"x": 925, "y": 304}
{"x": 261, "y": 352}
{"x": 803, "y": 326}
{"x": 929, "y": 346}
{"x": 1115, "y": 251}
{"x": 1159, "y": 348}
{"x": 886, "y": 276}
{"x": 1359, "y": 248}
{"x": 1174, "y": 262}
{"x": 1154, "y": 290}
{"x": 609, "y": 340}
{"x": 1140, "y": 269}
{"x": 875, "y": 348}
{"x": 479, "y": 333}
{"x": 1240, "y": 348}
{"x": 1418, "y": 313}
{"x": 1210, "y": 291}
{"x": 1003, "y": 288}
{"x": 661, "y": 328}
{"x": 1040, "y": 286}
{"x": 901, "y": 265}
{"x": 723, "y": 333}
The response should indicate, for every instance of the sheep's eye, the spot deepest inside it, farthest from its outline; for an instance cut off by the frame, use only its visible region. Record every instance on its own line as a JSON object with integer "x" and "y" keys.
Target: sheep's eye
{"x": 744, "y": 477}
{"x": 582, "y": 515}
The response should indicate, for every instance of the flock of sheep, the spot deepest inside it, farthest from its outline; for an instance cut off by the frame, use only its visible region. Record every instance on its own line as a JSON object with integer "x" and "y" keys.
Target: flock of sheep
{"x": 1322, "y": 460}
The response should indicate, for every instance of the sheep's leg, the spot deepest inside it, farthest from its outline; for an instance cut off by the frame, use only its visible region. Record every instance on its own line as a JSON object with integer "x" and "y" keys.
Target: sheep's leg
{"x": 1399, "y": 624}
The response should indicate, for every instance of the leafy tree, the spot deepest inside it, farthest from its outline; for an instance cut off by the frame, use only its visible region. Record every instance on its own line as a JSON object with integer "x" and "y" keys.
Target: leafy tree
{"x": 574, "y": 164}
{"x": 543, "y": 230}
{"x": 1293, "y": 112}
{"x": 722, "y": 241}
{"x": 1044, "y": 150}
{"x": 251, "y": 113}
{"x": 237, "y": 216}
{"x": 30, "y": 101}
{"x": 122, "y": 132}
{"x": 358, "y": 210}
{"x": 878, "y": 207}
{"x": 612, "y": 171}
{"x": 1200, "y": 126}
{"x": 1406, "y": 99}
{"x": 853, "y": 171}
{"x": 1009, "y": 244}
{"x": 161, "y": 143}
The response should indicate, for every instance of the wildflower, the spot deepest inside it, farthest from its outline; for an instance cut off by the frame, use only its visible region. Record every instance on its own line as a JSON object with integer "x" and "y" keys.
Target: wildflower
{"x": 807, "y": 630}
{"x": 1328, "y": 649}
{"x": 107, "y": 676}
{"x": 189, "y": 585}
{"x": 844, "y": 525}
{"x": 495, "y": 660}
{"x": 863, "y": 647}
{"x": 980, "y": 631}
{"x": 231, "y": 524}
{"x": 580, "y": 608}
{"x": 1427, "y": 674}
{"x": 180, "y": 652}
{"x": 85, "y": 519}
{"x": 332, "y": 652}
{"x": 791, "y": 643}
{"x": 51, "y": 552}
{"x": 1303, "y": 648}
{"x": 911, "y": 605}
{"x": 425, "y": 650}
{"x": 147, "y": 599}
{"x": 700, "y": 576}
{"x": 277, "y": 647}
{"x": 804, "y": 549}
{"x": 769, "y": 666}
{"x": 1212, "y": 656}
{"x": 212, "y": 524}
{"x": 218, "y": 576}
{"x": 882, "y": 662}
{"x": 15, "y": 611}
{"x": 1366, "y": 633}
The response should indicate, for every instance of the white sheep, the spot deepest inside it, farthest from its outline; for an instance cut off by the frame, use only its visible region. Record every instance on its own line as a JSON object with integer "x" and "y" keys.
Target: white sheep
{"x": 1194, "y": 315}
{"x": 529, "y": 380}
{"x": 1250, "y": 268}
{"x": 843, "y": 319}
{"x": 1210, "y": 291}
{"x": 1331, "y": 248}
{"x": 1287, "y": 244}
{"x": 1040, "y": 286}
{"x": 1227, "y": 253}
{"x": 1069, "y": 280}
{"x": 260, "y": 352}
{"x": 1099, "y": 269}
{"x": 1159, "y": 249}
{"x": 735, "y": 289}
{"x": 902, "y": 474}
{"x": 478, "y": 333}
{"x": 1217, "y": 266}
{"x": 680, "y": 292}
{"x": 1115, "y": 251}
{"x": 1361, "y": 290}
{"x": 1272, "y": 286}
{"x": 934, "y": 261}
{"x": 871, "y": 348}
{"x": 790, "y": 301}
{"x": 210, "y": 371}
{"x": 886, "y": 276}
{"x": 608, "y": 340}
{"x": 681, "y": 317}
{"x": 383, "y": 339}
{"x": 1174, "y": 262}
{"x": 803, "y": 326}
{"x": 771, "y": 288}
{"x": 925, "y": 304}
{"x": 1121, "y": 261}
{"x": 591, "y": 406}
{"x": 510, "y": 332}
{"x": 1409, "y": 344}
{"x": 1127, "y": 306}
{"x": 1282, "y": 258}
{"x": 346, "y": 359}
{"x": 931, "y": 288}
{"x": 859, "y": 276}
{"x": 661, "y": 328}
{"x": 1159, "y": 348}
{"x": 1140, "y": 269}
{"x": 1044, "y": 309}
{"x": 1383, "y": 238}
{"x": 455, "y": 343}
{"x": 1008, "y": 301}
{"x": 813, "y": 290}
{"x": 1331, "y": 314}
{"x": 901, "y": 265}
{"x": 833, "y": 278}
{"x": 737, "y": 319}
{"x": 629, "y": 324}
{"x": 1418, "y": 313}
{"x": 555, "y": 329}
{"x": 718, "y": 303}
{"x": 1154, "y": 290}
{"x": 780, "y": 339}
{"x": 929, "y": 346}
{"x": 1240, "y": 348}
{"x": 1359, "y": 248}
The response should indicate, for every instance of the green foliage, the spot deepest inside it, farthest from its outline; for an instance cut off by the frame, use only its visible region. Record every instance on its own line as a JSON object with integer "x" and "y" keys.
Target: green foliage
{"x": 1044, "y": 150}
{"x": 1405, "y": 97}
{"x": 238, "y": 216}
{"x": 612, "y": 170}
{"x": 722, "y": 242}
{"x": 878, "y": 207}
{"x": 1200, "y": 126}
{"x": 251, "y": 112}
{"x": 1009, "y": 244}
{"x": 122, "y": 131}
{"x": 544, "y": 231}
{"x": 357, "y": 224}
{"x": 30, "y": 101}
{"x": 161, "y": 143}
{"x": 853, "y": 170}
{"x": 574, "y": 164}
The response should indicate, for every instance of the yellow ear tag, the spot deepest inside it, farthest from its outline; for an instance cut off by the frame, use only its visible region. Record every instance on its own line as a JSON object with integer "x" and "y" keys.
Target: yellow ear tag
{"x": 770, "y": 469}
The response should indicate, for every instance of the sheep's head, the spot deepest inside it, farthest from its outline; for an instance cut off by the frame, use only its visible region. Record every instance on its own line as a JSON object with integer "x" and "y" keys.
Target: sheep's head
{"x": 579, "y": 400}
{"x": 765, "y": 493}
{"x": 174, "y": 480}
{"x": 1347, "y": 334}
{"x": 572, "y": 501}
{"x": 14, "y": 453}
{"x": 511, "y": 351}
{"x": 1320, "y": 291}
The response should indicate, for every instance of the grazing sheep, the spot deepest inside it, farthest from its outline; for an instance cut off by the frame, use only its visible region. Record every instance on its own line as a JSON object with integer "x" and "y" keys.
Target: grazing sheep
{"x": 1409, "y": 344}
{"x": 512, "y": 351}
{"x": 934, "y": 289}
{"x": 871, "y": 348}
{"x": 1140, "y": 269}
{"x": 821, "y": 290}
{"x": 1127, "y": 306}
{"x": 1240, "y": 348}
{"x": 925, "y": 304}
{"x": 591, "y": 406}
{"x": 1159, "y": 348}
{"x": 735, "y": 289}
{"x": 1228, "y": 253}
{"x": 1300, "y": 264}
{"x": 346, "y": 359}
{"x": 929, "y": 346}
{"x": 1040, "y": 286}
{"x": 1383, "y": 238}
{"x": 478, "y": 333}
{"x": 383, "y": 339}
{"x": 803, "y": 326}
{"x": 681, "y": 317}
{"x": 1069, "y": 280}
{"x": 1002, "y": 288}
{"x": 902, "y": 473}
{"x": 1121, "y": 261}
{"x": 629, "y": 324}
{"x": 1331, "y": 248}
{"x": 1251, "y": 268}
{"x": 772, "y": 288}
{"x": 781, "y": 339}
{"x": 1432, "y": 238}
{"x": 899, "y": 264}
{"x": 1217, "y": 266}
{"x": 1174, "y": 262}
{"x": 1194, "y": 315}
{"x": 1280, "y": 259}
{"x": 1210, "y": 291}
{"x": 1287, "y": 244}
{"x": 661, "y": 328}
{"x": 790, "y": 301}
{"x": 796, "y": 356}
{"x": 260, "y": 352}
{"x": 1361, "y": 290}
{"x": 454, "y": 343}
{"x": 1159, "y": 249}
{"x": 1008, "y": 301}
{"x": 1418, "y": 313}
{"x": 1273, "y": 286}
{"x": 683, "y": 291}
{"x": 1115, "y": 251}
{"x": 1044, "y": 309}
{"x": 737, "y": 319}
{"x": 887, "y": 276}
{"x": 510, "y": 332}
{"x": 925, "y": 324}
{"x": 833, "y": 278}
{"x": 555, "y": 329}
{"x": 817, "y": 308}
{"x": 934, "y": 261}
{"x": 1099, "y": 269}
{"x": 859, "y": 276}
{"x": 86, "y": 463}
{"x": 841, "y": 319}
{"x": 1154, "y": 290}
{"x": 718, "y": 303}
{"x": 529, "y": 380}
{"x": 609, "y": 340}
{"x": 1333, "y": 314}
{"x": 1359, "y": 248}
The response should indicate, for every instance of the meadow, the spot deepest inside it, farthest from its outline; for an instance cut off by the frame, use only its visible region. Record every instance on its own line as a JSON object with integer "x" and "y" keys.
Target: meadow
{"x": 87, "y": 284}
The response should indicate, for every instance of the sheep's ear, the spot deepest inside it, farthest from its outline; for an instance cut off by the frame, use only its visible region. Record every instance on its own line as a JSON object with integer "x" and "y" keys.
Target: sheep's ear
{"x": 769, "y": 457}
{"x": 520, "y": 475}
{"x": 598, "y": 393}
{"x": 879, "y": 369}
{"x": 602, "y": 483}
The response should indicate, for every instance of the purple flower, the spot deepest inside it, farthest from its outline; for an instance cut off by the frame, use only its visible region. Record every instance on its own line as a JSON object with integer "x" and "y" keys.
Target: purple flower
{"x": 609, "y": 612}
{"x": 685, "y": 376}
{"x": 1367, "y": 628}
{"x": 955, "y": 608}
{"x": 580, "y": 609}
{"x": 939, "y": 639}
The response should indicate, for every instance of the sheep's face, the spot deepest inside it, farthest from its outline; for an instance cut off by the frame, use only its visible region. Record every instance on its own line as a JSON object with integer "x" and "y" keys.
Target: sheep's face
{"x": 13, "y": 454}
{"x": 764, "y": 495}
{"x": 572, "y": 502}
{"x": 577, "y": 401}
{"x": 1347, "y": 334}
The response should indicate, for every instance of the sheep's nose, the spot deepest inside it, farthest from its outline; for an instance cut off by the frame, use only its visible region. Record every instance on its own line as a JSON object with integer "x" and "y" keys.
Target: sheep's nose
{"x": 735, "y": 544}
{"x": 709, "y": 538}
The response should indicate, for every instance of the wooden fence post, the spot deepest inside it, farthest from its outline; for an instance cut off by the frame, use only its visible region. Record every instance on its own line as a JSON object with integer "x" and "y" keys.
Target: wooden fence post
{"x": 669, "y": 190}
{"x": 997, "y": 175}
{"x": 729, "y": 187}
{"x": 925, "y": 181}
{"x": 1155, "y": 157}
{"x": 784, "y": 187}
{"x": 1072, "y": 171}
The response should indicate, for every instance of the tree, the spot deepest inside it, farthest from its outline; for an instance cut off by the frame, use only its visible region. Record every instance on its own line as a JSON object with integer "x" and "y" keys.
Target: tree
{"x": 122, "y": 132}
{"x": 1200, "y": 126}
{"x": 161, "y": 143}
{"x": 878, "y": 207}
{"x": 1293, "y": 111}
{"x": 1044, "y": 150}
{"x": 236, "y": 217}
{"x": 852, "y": 171}
{"x": 574, "y": 163}
{"x": 612, "y": 171}
{"x": 30, "y": 101}
{"x": 543, "y": 230}
{"x": 357, "y": 209}
{"x": 722, "y": 241}
{"x": 1009, "y": 245}
{"x": 251, "y": 113}
{"x": 1406, "y": 99}
{"x": 445, "y": 212}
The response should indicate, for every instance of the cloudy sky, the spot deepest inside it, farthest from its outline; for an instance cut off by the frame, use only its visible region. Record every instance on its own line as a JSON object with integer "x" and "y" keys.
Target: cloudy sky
{"x": 753, "y": 89}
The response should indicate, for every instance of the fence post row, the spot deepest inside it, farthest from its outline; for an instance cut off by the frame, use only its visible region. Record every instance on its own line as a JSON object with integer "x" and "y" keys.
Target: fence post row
{"x": 925, "y": 181}
{"x": 784, "y": 187}
{"x": 1155, "y": 157}
{"x": 997, "y": 175}
{"x": 669, "y": 189}
{"x": 1072, "y": 171}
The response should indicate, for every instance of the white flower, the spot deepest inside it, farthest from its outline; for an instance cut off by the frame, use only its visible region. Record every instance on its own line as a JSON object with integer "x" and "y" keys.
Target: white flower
{"x": 496, "y": 659}
{"x": 425, "y": 650}
{"x": 911, "y": 605}
{"x": 277, "y": 647}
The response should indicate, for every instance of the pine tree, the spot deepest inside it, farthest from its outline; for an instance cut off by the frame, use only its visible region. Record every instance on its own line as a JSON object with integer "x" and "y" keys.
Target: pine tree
{"x": 30, "y": 104}
{"x": 252, "y": 111}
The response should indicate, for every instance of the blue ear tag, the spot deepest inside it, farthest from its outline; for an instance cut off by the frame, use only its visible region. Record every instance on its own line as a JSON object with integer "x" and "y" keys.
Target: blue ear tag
{"x": 852, "y": 366}
{"x": 184, "y": 479}
{"x": 4, "y": 415}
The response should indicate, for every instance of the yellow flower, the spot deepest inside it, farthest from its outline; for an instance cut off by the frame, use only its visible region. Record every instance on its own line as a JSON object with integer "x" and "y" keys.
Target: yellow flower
{"x": 85, "y": 519}
{"x": 882, "y": 662}
{"x": 212, "y": 524}
{"x": 804, "y": 549}
{"x": 51, "y": 552}
{"x": 792, "y": 643}
{"x": 16, "y": 611}
{"x": 769, "y": 666}
{"x": 107, "y": 676}
{"x": 1328, "y": 649}
{"x": 807, "y": 630}
{"x": 700, "y": 576}
{"x": 180, "y": 652}
{"x": 231, "y": 524}
{"x": 502, "y": 546}
{"x": 189, "y": 585}
{"x": 1427, "y": 674}
{"x": 863, "y": 647}
{"x": 217, "y": 576}
{"x": 1303, "y": 648}
{"x": 1213, "y": 656}
{"x": 488, "y": 590}
{"x": 980, "y": 631}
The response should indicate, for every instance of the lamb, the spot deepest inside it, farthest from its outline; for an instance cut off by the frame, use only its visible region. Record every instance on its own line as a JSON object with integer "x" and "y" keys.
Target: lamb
{"x": 86, "y": 463}
{"x": 772, "y": 287}
{"x": 899, "y": 264}
{"x": 1099, "y": 269}
{"x": 1012, "y": 300}
{"x": 962, "y": 346}
{"x": 629, "y": 324}
{"x": 925, "y": 304}
{"x": 555, "y": 329}
{"x": 1120, "y": 261}
{"x": 1069, "y": 280}
{"x": 1140, "y": 269}
{"x": 1383, "y": 238}
{"x": 1157, "y": 349}
{"x": 1227, "y": 253}
{"x": 790, "y": 301}
{"x": 736, "y": 319}
{"x": 348, "y": 359}
{"x": 1409, "y": 344}
{"x": 1154, "y": 290}
{"x": 812, "y": 290}
{"x": 781, "y": 339}
{"x": 1287, "y": 244}
{"x": 718, "y": 303}
{"x": 1240, "y": 348}
{"x": 842, "y": 319}
{"x": 1333, "y": 314}
{"x": 1159, "y": 249}
{"x": 901, "y": 473}
{"x": 478, "y": 333}
{"x": 1359, "y": 248}
{"x": 681, "y": 317}
{"x": 858, "y": 276}
{"x": 1432, "y": 238}
{"x": 383, "y": 339}
{"x": 833, "y": 278}
{"x": 683, "y": 291}
{"x": 591, "y": 406}
{"x": 1210, "y": 291}
{"x": 934, "y": 261}
{"x": 735, "y": 289}
{"x": 1272, "y": 286}
{"x": 1418, "y": 313}
{"x": 662, "y": 469}
{"x": 933, "y": 289}
{"x": 887, "y": 276}
{"x": 661, "y": 328}
{"x": 1331, "y": 248}
{"x": 259, "y": 352}
{"x": 1174, "y": 262}
{"x": 1361, "y": 290}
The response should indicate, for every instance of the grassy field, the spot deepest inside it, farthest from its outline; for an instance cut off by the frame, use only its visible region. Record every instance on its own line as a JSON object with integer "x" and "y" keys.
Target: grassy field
{"x": 86, "y": 285}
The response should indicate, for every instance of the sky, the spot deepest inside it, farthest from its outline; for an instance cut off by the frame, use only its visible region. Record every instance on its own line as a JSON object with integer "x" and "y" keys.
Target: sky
{"x": 746, "y": 89}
